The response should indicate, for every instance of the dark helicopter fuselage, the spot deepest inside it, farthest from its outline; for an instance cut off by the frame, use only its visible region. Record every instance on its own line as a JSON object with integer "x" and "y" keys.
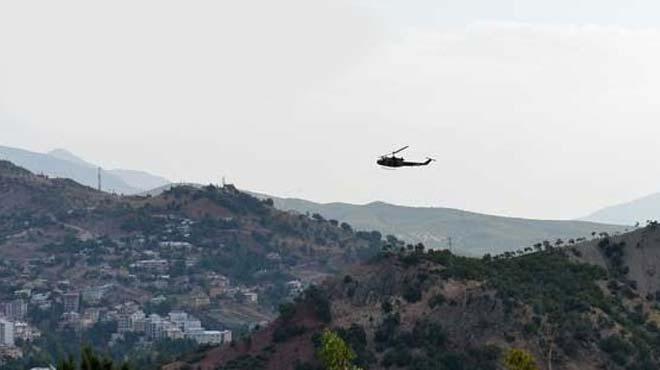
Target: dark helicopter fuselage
{"x": 400, "y": 162}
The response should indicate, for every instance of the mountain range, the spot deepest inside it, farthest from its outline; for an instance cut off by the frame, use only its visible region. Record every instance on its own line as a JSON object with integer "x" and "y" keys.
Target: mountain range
{"x": 64, "y": 164}
{"x": 470, "y": 233}
{"x": 465, "y": 233}
{"x": 629, "y": 213}
{"x": 590, "y": 305}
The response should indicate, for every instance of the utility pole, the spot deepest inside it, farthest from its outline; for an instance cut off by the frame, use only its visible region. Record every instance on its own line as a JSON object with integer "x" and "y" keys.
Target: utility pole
{"x": 451, "y": 256}
{"x": 100, "y": 188}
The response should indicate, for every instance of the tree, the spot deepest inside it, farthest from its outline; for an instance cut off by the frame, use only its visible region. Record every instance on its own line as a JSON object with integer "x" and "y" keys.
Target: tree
{"x": 518, "y": 359}
{"x": 90, "y": 361}
{"x": 546, "y": 245}
{"x": 334, "y": 353}
{"x": 68, "y": 364}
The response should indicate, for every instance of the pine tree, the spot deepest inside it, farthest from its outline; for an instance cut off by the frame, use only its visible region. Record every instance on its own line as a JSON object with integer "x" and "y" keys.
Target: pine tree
{"x": 90, "y": 361}
{"x": 334, "y": 353}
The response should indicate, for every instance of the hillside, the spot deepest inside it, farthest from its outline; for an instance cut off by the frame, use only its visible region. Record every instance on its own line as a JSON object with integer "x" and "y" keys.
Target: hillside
{"x": 221, "y": 216}
{"x": 217, "y": 253}
{"x": 63, "y": 164}
{"x": 629, "y": 213}
{"x": 429, "y": 310}
{"x": 471, "y": 233}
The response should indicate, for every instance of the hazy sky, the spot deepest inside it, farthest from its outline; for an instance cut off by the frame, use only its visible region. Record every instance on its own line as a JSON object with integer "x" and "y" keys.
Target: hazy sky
{"x": 546, "y": 109}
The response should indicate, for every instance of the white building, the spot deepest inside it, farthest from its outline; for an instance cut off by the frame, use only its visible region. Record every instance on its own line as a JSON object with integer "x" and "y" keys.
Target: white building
{"x": 226, "y": 336}
{"x": 152, "y": 264}
{"x": 178, "y": 317}
{"x": 170, "y": 244}
{"x": 213, "y": 337}
{"x": 40, "y": 299}
{"x": 251, "y": 297}
{"x": 138, "y": 321}
{"x": 295, "y": 287}
{"x": 6, "y": 333}
{"x": 95, "y": 294}
{"x": 16, "y": 309}
{"x": 71, "y": 302}
{"x": 192, "y": 325}
{"x": 124, "y": 323}
{"x": 25, "y": 332}
{"x": 172, "y": 331}
{"x": 154, "y": 326}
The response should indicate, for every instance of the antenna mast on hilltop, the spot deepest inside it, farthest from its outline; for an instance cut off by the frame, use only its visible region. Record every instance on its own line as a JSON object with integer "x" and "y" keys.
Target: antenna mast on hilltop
{"x": 99, "y": 179}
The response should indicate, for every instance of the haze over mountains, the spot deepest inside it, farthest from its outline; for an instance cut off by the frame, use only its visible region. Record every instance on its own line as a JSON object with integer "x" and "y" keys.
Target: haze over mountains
{"x": 62, "y": 163}
{"x": 629, "y": 213}
{"x": 471, "y": 233}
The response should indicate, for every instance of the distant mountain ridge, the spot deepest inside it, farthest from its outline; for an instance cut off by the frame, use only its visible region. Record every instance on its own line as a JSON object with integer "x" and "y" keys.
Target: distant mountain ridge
{"x": 471, "y": 233}
{"x": 629, "y": 213}
{"x": 66, "y": 155}
{"x": 64, "y": 164}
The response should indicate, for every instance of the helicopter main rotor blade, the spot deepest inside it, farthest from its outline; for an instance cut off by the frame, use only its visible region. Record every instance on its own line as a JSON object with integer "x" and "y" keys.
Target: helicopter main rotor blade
{"x": 395, "y": 152}
{"x": 400, "y": 150}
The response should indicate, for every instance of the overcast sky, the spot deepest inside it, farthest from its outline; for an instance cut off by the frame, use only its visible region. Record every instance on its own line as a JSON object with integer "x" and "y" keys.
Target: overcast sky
{"x": 545, "y": 109}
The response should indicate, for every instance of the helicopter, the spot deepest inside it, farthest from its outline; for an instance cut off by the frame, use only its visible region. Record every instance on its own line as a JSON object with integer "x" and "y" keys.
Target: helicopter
{"x": 391, "y": 160}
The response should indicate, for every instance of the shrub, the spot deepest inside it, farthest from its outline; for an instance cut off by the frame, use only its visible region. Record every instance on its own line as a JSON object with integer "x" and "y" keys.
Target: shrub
{"x": 412, "y": 293}
{"x": 285, "y": 332}
{"x": 518, "y": 359}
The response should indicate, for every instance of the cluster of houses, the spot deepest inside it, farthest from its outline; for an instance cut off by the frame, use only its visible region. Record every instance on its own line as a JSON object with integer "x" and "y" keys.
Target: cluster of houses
{"x": 176, "y": 325}
{"x": 163, "y": 265}
{"x": 14, "y": 327}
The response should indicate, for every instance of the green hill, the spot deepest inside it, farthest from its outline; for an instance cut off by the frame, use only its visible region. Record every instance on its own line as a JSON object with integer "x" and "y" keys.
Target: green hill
{"x": 471, "y": 233}
{"x": 583, "y": 307}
